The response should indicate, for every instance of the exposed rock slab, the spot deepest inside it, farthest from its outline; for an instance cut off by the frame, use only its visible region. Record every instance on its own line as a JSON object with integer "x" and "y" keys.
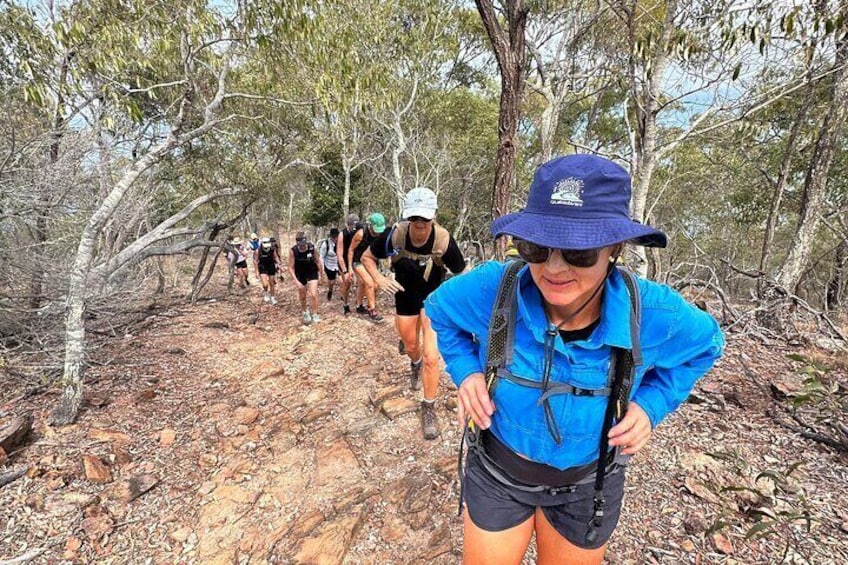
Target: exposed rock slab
{"x": 396, "y": 407}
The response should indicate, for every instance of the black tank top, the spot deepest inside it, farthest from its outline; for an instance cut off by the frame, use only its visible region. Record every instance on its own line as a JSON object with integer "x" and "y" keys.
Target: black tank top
{"x": 266, "y": 255}
{"x": 304, "y": 262}
{"x": 367, "y": 238}
{"x": 347, "y": 238}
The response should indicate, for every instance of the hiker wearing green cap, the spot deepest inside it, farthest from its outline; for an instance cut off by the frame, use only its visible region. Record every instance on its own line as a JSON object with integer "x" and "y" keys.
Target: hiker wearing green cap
{"x": 421, "y": 252}
{"x": 361, "y": 240}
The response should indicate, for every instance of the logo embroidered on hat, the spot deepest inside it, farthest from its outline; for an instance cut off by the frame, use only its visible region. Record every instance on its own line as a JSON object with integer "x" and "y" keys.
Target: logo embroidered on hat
{"x": 568, "y": 192}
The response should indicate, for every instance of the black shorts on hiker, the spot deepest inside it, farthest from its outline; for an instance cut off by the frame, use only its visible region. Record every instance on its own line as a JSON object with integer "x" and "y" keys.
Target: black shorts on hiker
{"x": 241, "y": 265}
{"x": 269, "y": 269}
{"x": 494, "y": 506}
{"x": 304, "y": 278}
{"x": 409, "y": 303}
{"x": 331, "y": 275}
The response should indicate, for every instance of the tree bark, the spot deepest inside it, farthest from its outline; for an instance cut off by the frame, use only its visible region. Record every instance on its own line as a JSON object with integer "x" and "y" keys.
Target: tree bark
{"x": 201, "y": 265}
{"x": 72, "y": 378}
{"x": 509, "y": 48}
{"x": 346, "y": 197}
{"x": 835, "y": 291}
{"x": 815, "y": 183}
{"x": 646, "y": 100}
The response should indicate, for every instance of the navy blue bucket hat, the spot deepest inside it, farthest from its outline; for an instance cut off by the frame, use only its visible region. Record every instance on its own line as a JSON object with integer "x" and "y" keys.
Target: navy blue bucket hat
{"x": 578, "y": 202}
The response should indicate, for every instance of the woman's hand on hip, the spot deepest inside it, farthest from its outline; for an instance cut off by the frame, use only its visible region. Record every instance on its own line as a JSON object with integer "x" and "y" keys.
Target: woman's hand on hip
{"x": 633, "y": 431}
{"x": 474, "y": 401}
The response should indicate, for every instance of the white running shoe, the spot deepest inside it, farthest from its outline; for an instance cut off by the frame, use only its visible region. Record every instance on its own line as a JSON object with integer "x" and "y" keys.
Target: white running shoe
{"x": 307, "y": 317}
{"x": 273, "y": 301}
{"x": 266, "y": 298}
{"x": 316, "y": 318}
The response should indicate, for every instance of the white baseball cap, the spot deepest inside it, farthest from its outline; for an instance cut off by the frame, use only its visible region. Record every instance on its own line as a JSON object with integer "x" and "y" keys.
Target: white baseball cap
{"x": 420, "y": 201}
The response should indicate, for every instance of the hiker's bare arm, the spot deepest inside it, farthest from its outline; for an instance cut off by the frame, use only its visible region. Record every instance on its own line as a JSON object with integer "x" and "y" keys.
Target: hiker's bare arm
{"x": 384, "y": 283}
{"x": 357, "y": 239}
{"x": 291, "y": 269}
{"x": 342, "y": 259}
{"x": 319, "y": 265}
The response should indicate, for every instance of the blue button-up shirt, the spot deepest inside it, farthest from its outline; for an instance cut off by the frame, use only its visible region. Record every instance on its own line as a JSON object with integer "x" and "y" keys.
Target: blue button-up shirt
{"x": 679, "y": 344}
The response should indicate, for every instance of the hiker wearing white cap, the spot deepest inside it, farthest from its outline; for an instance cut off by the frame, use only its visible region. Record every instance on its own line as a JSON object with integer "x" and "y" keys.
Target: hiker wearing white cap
{"x": 565, "y": 363}
{"x": 265, "y": 261}
{"x": 420, "y": 250}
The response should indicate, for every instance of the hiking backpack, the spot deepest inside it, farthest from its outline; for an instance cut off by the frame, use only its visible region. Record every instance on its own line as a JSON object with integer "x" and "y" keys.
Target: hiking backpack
{"x": 397, "y": 240}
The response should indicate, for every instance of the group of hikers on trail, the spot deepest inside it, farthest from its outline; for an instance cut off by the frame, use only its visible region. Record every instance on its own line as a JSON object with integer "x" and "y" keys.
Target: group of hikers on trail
{"x": 564, "y": 361}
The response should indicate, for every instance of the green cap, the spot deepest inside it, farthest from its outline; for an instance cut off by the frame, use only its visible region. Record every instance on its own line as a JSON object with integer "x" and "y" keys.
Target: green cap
{"x": 378, "y": 222}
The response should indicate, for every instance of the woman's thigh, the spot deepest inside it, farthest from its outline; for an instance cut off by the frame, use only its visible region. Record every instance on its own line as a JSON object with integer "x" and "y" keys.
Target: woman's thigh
{"x": 553, "y": 549}
{"x": 506, "y": 547}
{"x": 407, "y": 327}
{"x": 312, "y": 286}
{"x": 363, "y": 276}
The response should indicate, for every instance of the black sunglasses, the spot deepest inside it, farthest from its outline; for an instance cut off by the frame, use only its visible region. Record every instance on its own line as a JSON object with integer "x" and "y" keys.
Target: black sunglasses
{"x": 419, "y": 219}
{"x": 581, "y": 258}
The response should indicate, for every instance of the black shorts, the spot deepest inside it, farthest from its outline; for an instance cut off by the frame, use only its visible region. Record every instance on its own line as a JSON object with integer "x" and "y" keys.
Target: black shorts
{"x": 241, "y": 265}
{"x": 495, "y": 507}
{"x": 304, "y": 278}
{"x": 409, "y": 303}
{"x": 331, "y": 275}
{"x": 269, "y": 269}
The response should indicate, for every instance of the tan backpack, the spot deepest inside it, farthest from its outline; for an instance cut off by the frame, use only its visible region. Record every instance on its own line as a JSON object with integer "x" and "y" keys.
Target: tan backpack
{"x": 440, "y": 246}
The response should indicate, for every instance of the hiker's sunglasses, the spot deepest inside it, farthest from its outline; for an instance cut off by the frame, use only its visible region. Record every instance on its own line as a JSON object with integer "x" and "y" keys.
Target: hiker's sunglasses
{"x": 419, "y": 220}
{"x": 580, "y": 258}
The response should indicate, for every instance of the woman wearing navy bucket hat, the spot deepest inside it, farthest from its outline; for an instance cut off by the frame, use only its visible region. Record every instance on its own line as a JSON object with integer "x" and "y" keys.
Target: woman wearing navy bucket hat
{"x": 565, "y": 364}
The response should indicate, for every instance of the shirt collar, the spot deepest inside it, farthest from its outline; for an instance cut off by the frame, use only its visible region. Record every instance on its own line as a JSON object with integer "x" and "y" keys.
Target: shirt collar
{"x": 613, "y": 329}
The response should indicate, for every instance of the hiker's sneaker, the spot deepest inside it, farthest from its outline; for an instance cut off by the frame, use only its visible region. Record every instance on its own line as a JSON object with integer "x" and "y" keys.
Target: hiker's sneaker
{"x": 429, "y": 420}
{"x": 415, "y": 374}
{"x": 361, "y": 309}
{"x": 329, "y": 295}
{"x": 316, "y": 318}
{"x": 375, "y": 316}
{"x": 273, "y": 301}
{"x": 401, "y": 347}
{"x": 307, "y": 318}
{"x": 346, "y": 310}
{"x": 266, "y": 297}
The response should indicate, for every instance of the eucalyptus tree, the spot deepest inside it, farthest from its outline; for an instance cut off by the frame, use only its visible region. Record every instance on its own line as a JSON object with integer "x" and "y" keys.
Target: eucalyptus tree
{"x": 145, "y": 83}
{"x": 505, "y": 26}
{"x": 833, "y": 18}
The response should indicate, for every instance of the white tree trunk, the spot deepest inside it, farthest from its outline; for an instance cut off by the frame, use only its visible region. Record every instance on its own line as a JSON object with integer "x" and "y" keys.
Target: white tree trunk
{"x": 72, "y": 378}
{"x": 647, "y": 104}
{"x": 346, "y": 199}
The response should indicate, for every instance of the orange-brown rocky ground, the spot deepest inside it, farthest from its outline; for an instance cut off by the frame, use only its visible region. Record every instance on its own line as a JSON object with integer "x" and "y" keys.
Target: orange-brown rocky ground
{"x": 228, "y": 432}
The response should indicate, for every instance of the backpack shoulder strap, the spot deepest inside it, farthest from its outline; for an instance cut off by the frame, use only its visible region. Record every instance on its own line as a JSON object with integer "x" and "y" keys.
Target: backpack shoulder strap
{"x": 502, "y": 323}
{"x": 623, "y": 365}
{"x": 632, "y": 285}
{"x": 397, "y": 239}
{"x": 441, "y": 242}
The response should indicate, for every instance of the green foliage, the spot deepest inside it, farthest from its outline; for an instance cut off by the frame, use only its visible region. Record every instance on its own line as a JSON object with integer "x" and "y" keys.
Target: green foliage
{"x": 327, "y": 191}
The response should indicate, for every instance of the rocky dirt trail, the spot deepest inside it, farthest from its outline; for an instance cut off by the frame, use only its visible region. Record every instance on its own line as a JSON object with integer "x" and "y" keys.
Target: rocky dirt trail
{"x": 229, "y": 432}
